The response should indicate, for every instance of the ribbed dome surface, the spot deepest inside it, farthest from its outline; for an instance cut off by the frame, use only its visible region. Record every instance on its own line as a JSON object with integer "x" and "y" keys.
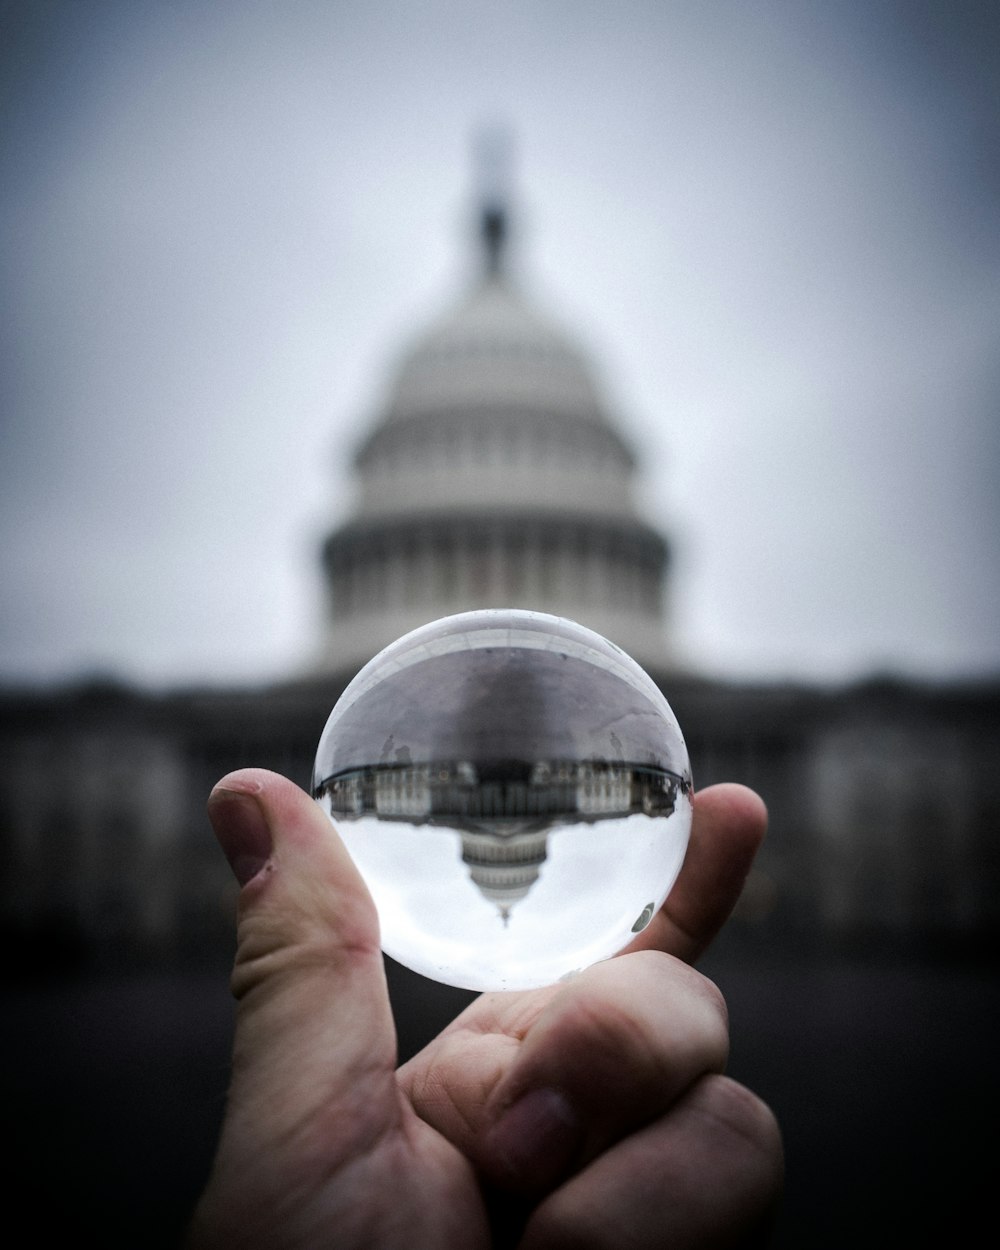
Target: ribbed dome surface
{"x": 494, "y": 349}
{"x": 494, "y": 408}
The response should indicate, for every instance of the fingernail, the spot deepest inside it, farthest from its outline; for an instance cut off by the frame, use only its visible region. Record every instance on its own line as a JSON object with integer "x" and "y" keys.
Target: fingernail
{"x": 536, "y": 1140}
{"x": 242, "y": 831}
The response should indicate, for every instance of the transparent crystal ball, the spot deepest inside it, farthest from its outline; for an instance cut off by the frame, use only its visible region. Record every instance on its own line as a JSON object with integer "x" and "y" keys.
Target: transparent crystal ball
{"x": 516, "y": 793}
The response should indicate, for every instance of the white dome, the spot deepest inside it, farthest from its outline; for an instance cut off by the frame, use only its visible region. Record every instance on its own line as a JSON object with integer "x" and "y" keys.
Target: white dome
{"x": 494, "y": 349}
{"x": 494, "y": 478}
{"x": 494, "y": 409}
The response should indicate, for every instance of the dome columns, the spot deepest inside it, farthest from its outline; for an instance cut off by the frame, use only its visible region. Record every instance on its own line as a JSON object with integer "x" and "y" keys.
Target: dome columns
{"x": 419, "y": 569}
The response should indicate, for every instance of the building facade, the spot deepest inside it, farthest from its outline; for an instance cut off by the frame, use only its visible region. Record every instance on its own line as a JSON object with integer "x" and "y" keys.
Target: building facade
{"x": 495, "y": 476}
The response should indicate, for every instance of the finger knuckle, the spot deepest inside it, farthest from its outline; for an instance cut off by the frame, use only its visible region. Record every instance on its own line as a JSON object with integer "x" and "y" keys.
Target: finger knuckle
{"x": 750, "y": 1127}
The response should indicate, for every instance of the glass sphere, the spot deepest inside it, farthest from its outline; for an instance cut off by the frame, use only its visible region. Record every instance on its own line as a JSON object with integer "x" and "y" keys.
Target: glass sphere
{"x": 516, "y": 793}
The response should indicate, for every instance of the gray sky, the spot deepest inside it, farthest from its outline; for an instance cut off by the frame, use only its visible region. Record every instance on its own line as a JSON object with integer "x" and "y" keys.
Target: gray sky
{"x": 774, "y": 225}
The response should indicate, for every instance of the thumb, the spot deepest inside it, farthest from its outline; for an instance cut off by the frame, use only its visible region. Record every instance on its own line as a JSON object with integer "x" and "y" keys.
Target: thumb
{"x": 314, "y": 1046}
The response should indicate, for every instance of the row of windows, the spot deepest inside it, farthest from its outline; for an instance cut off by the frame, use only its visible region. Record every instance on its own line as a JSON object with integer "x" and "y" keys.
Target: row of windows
{"x": 498, "y": 440}
{"x": 482, "y": 348}
{"x": 500, "y": 572}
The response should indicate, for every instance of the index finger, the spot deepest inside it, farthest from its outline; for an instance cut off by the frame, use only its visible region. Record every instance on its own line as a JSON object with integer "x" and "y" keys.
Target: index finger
{"x": 727, "y": 829}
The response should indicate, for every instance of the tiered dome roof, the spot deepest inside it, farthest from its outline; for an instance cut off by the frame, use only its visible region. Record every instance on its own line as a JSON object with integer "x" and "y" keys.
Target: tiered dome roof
{"x": 494, "y": 348}
{"x": 494, "y": 407}
{"x": 494, "y": 477}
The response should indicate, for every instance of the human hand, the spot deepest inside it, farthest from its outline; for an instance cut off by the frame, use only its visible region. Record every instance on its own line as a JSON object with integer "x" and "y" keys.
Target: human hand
{"x": 589, "y": 1114}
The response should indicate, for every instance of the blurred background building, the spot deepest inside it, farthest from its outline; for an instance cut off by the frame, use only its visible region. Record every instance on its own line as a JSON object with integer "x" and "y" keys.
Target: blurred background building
{"x": 496, "y": 476}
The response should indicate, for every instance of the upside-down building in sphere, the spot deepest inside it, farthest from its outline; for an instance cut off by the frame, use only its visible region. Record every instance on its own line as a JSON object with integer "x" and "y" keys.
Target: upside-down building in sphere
{"x": 495, "y": 477}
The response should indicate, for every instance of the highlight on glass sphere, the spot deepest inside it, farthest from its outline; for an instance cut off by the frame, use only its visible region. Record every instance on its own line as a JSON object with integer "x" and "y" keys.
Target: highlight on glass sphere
{"x": 515, "y": 791}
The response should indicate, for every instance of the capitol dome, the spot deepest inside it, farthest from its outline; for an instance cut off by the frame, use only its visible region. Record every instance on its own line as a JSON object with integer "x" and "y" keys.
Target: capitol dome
{"x": 494, "y": 477}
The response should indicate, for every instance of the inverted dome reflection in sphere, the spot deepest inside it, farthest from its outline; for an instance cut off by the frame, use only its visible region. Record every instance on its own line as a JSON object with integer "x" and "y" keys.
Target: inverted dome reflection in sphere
{"x": 515, "y": 791}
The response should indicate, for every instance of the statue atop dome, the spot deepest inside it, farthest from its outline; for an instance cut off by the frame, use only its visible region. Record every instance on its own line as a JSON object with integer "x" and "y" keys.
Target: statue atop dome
{"x": 493, "y": 165}
{"x": 493, "y": 227}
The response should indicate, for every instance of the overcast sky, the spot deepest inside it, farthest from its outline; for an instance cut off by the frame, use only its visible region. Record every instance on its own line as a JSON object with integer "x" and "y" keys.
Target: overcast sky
{"x": 774, "y": 226}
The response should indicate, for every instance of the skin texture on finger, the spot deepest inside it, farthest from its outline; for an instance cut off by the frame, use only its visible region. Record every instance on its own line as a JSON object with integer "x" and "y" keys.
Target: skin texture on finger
{"x": 464, "y": 1080}
{"x": 316, "y": 1133}
{"x": 474, "y": 1072}
{"x": 308, "y": 975}
{"x": 531, "y": 1086}
{"x": 707, "y": 1176}
{"x": 728, "y": 826}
